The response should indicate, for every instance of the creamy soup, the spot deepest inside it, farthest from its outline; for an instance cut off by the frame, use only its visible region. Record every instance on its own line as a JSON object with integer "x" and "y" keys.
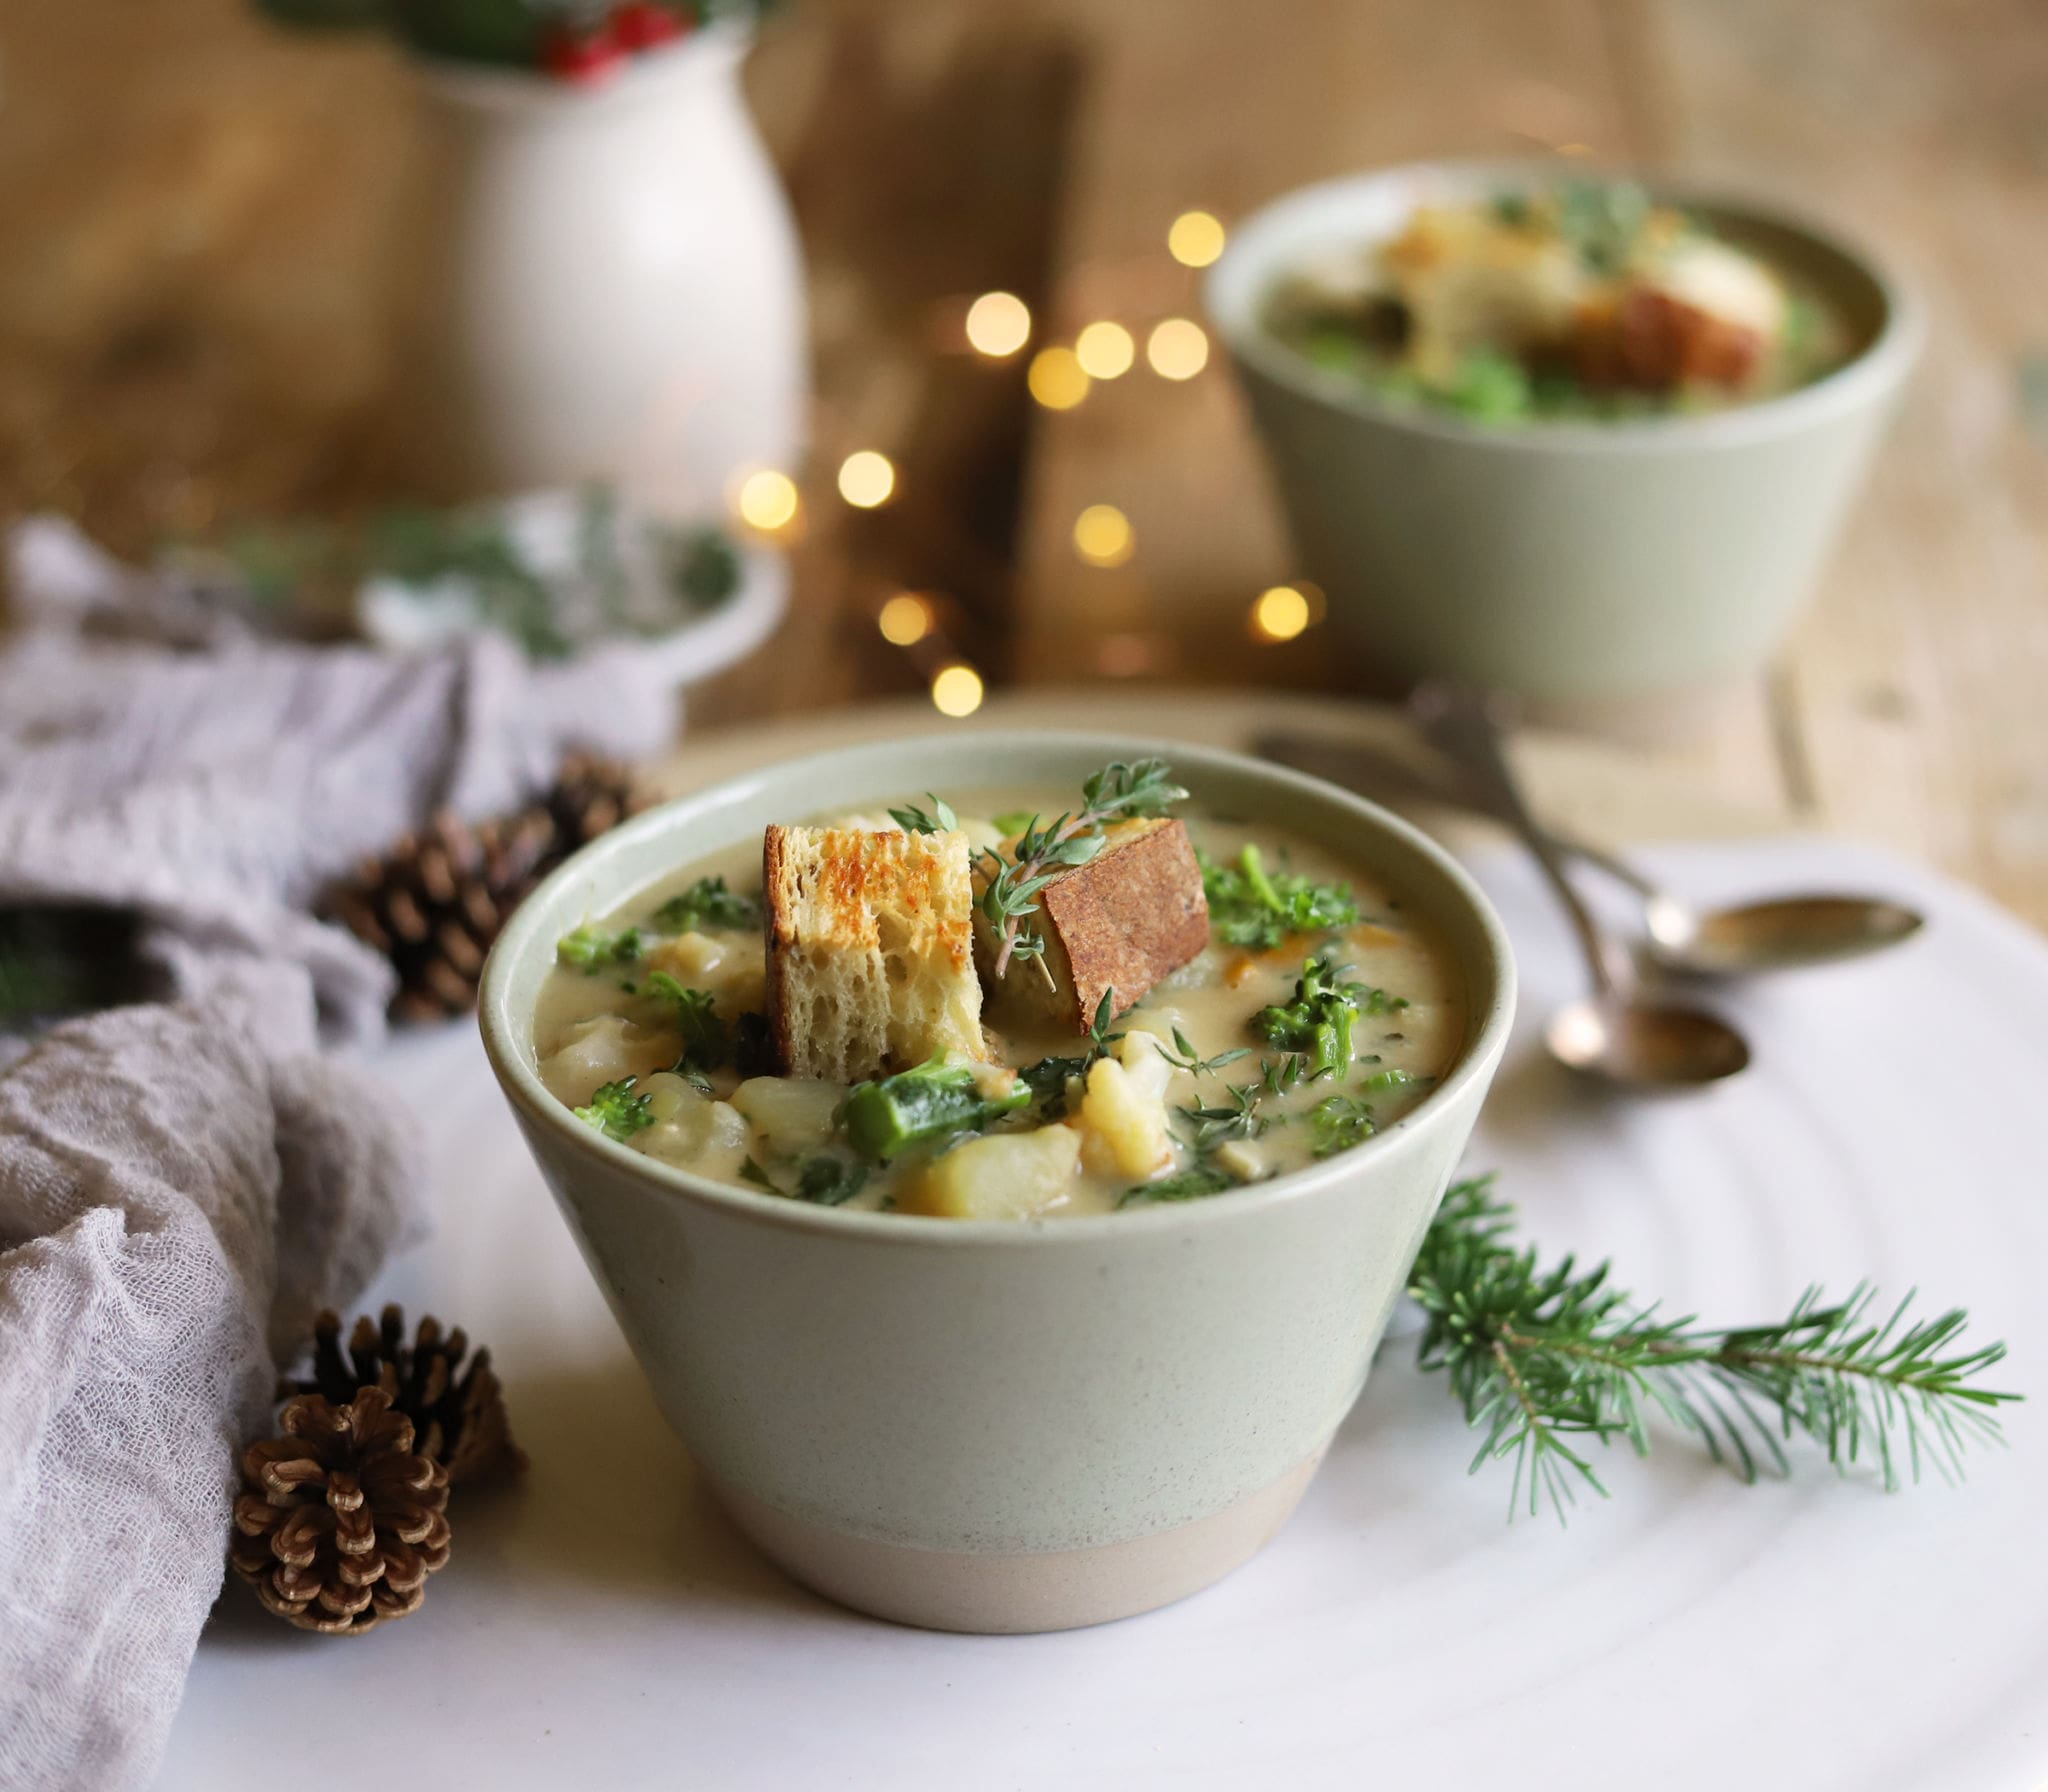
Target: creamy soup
{"x": 1585, "y": 301}
{"x": 1317, "y": 1012}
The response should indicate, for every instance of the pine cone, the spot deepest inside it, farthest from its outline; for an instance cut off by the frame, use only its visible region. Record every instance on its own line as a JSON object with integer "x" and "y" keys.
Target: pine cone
{"x": 591, "y": 796}
{"x": 458, "y": 1414}
{"x": 434, "y": 903}
{"x": 341, "y": 1520}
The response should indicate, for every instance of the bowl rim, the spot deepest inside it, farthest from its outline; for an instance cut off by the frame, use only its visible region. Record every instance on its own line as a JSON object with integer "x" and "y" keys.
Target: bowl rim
{"x": 1234, "y": 285}
{"x": 503, "y": 1030}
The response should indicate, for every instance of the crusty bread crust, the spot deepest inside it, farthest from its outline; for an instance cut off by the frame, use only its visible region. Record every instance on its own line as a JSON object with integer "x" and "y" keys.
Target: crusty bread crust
{"x": 870, "y": 949}
{"x": 1131, "y": 915}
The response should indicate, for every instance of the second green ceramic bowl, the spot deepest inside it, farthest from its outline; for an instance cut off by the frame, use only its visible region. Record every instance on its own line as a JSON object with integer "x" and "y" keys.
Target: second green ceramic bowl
{"x": 1569, "y": 562}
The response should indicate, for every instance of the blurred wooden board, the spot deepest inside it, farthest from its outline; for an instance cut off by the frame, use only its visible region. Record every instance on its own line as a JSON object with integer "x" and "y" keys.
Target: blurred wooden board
{"x": 203, "y": 217}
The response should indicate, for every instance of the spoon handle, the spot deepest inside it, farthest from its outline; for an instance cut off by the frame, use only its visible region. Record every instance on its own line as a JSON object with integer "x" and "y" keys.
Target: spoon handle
{"x": 1462, "y": 724}
{"x": 1373, "y": 770}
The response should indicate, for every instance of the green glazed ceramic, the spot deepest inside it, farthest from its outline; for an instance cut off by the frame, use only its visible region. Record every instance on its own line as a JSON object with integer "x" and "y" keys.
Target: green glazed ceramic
{"x": 1570, "y": 562}
{"x": 980, "y": 1425}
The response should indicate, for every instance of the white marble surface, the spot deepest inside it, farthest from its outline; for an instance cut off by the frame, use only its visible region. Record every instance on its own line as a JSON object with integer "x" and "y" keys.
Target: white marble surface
{"x": 601, "y": 1625}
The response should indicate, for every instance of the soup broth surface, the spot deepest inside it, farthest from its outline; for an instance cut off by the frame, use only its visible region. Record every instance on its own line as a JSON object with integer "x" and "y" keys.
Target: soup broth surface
{"x": 608, "y": 1019}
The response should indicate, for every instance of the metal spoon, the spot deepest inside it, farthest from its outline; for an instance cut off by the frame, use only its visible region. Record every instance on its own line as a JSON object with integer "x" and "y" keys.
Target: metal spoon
{"x": 1775, "y": 934}
{"x": 1616, "y": 1033}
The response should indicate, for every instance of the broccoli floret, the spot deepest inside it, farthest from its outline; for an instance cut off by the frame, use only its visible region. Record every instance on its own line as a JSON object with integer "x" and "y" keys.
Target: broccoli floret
{"x": 1318, "y": 1022}
{"x": 708, "y": 903}
{"x": 591, "y": 948}
{"x": 616, "y": 1111}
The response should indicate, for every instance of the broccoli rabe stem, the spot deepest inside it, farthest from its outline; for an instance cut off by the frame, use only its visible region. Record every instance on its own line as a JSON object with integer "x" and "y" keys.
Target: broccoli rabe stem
{"x": 885, "y": 1118}
{"x": 1253, "y": 864}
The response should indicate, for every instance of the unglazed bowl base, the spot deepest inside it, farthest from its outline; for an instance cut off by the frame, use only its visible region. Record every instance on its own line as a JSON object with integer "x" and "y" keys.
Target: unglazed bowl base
{"x": 1061, "y": 1589}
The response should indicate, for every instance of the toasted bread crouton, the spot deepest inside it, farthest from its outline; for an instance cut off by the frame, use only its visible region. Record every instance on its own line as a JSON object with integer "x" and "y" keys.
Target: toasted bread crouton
{"x": 1125, "y": 919}
{"x": 870, "y": 951}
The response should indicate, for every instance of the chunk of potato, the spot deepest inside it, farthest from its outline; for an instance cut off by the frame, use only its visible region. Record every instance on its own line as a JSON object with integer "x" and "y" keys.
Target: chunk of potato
{"x": 733, "y": 970}
{"x": 1005, "y": 1176}
{"x": 710, "y": 1137}
{"x": 690, "y": 957}
{"x": 601, "y": 1050}
{"x": 793, "y": 1114}
{"x": 1142, "y": 1053}
{"x": 1123, "y": 1115}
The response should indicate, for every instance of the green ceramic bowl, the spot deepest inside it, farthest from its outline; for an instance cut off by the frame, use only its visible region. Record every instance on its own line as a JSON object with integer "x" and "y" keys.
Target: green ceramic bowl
{"x": 979, "y": 1425}
{"x": 1570, "y": 562}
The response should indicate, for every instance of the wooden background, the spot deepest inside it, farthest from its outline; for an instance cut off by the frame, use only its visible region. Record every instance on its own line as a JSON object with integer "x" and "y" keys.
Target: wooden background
{"x": 201, "y": 221}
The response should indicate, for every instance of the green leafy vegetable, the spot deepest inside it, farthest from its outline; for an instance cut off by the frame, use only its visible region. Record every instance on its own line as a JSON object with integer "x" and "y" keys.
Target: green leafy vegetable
{"x": 1252, "y": 907}
{"x": 913, "y": 820}
{"x": 1545, "y": 1360}
{"x": 1601, "y": 220}
{"x": 830, "y": 1180}
{"x": 1189, "y": 1185}
{"x": 885, "y": 1118}
{"x": 1489, "y": 386}
{"x": 706, "y": 1042}
{"x": 616, "y": 1111}
{"x": 1339, "y": 1122}
{"x": 708, "y": 903}
{"x": 1013, "y": 821}
{"x": 591, "y": 949}
{"x": 1383, "y": 1080}
{"x": 1047, "y": 1081}
{"x": 825, "y": 1179}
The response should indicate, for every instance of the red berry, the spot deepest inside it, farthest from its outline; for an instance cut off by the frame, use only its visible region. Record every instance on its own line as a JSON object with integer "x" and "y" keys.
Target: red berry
{"x": 580, "y": 56}
{"x": 642, "y": 24}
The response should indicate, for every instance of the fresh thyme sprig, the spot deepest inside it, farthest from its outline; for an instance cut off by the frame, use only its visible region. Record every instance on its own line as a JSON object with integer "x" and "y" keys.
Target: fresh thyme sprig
{"x": 1119, "y": 792}
{"x": 1047, "y": 1079}
{"x": 1237, "y": 1114}
{"x": 913, "y": 820}
{"x": 1544, "y": 1360}
{"x": 1184, "y": 1056}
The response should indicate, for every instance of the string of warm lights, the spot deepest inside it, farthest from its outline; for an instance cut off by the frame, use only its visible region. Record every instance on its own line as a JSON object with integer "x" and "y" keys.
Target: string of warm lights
{"x": 1059, "y": 377}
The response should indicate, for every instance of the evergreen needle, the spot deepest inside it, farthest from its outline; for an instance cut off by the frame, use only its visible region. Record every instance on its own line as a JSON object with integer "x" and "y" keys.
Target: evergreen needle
{"x": 1544, "y": 1360}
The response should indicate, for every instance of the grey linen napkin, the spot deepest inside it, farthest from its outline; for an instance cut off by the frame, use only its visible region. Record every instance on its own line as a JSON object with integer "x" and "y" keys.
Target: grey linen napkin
{"x": 182, "y": 1183}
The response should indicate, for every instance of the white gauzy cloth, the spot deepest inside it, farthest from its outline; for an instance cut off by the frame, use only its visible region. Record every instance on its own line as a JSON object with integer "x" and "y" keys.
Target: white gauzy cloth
{"x": 181, "y": 1188}
{"x": 182, "y": 1185}
{"x": 216, "y": 792}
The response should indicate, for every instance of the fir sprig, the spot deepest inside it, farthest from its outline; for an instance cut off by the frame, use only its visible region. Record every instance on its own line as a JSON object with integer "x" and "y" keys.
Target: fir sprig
{"x": 1545, "y": 1360}
{"x": 1119, "y": 792}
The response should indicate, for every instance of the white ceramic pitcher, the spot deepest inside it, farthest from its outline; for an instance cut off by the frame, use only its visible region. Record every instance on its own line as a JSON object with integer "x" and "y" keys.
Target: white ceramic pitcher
{"x": 611, "y": 286}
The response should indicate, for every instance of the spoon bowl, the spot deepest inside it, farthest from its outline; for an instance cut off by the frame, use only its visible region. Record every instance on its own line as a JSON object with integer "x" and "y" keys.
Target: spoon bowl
{"x": 1641, "y": 1044}
{"x": 1778, "y": 934}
